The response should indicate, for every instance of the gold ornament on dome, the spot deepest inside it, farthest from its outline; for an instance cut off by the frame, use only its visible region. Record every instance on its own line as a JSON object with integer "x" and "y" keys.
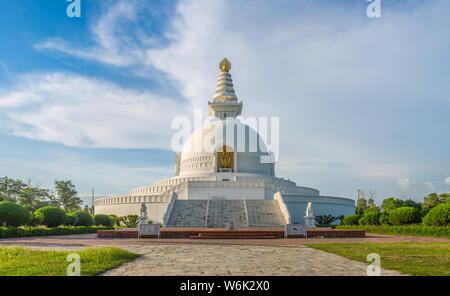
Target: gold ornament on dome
{"x": 225, "y": 65}
{"x": 225, "y": 159}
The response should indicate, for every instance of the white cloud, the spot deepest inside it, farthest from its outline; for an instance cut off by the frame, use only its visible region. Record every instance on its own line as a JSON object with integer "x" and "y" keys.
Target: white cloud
{"x": 447, "y": 181}
{"x": 429, "y": 185}
{"x": 316, "y": 66}
{"x": 114, "y": 44}
{"x": 88, "y": 112}
{"x": 405, "y": 183}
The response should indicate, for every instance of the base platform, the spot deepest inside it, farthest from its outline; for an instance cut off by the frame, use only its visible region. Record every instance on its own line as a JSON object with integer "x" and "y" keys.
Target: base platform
{"x": 241, "y": 233}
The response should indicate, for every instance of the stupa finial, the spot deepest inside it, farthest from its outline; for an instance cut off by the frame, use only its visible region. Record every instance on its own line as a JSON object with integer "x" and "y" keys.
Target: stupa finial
{"x": 225, "y": 65}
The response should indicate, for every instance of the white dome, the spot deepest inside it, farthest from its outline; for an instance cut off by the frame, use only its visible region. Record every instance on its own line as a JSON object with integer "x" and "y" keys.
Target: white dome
{"x": 199, "y": 154}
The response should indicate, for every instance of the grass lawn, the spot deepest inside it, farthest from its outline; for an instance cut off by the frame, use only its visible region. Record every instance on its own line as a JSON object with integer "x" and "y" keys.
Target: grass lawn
{"x": 409, "y": 258}
{"x": 28, "y": 262}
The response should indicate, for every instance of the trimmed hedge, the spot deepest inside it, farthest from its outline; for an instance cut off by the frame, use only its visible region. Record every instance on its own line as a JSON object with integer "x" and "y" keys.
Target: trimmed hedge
{"x": 35, "y": 219}
{"x": 351, "y": 220}
{"x": 370, "y": 218}
{"x": 8, "y": 232}
{"x": 404, "y": 215}
{"x": 115, "y": 219}
{"x": 384, "y": 219}
{"x": 104, "y": 220}
{"x": 71, "y": 219}
{"x": 83, "y": 219}
{"x": 412, "y": 229}
{"x": 438, "y": 216}
{"x": 13, "y": 214}
{"x": 51, "y": 216}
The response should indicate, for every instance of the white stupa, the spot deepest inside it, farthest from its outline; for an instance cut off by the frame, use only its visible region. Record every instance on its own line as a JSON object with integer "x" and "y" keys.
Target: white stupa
{"x": 224, "y": 174}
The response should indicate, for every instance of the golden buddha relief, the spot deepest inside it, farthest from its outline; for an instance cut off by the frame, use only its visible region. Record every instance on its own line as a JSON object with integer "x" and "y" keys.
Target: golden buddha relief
{"x": 225, "y": 159}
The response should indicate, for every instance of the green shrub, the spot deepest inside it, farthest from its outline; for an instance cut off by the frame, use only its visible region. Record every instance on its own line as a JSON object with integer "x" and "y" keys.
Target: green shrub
{"x": 410, "y": 229}
{"x": 71, "y": 219}
{"x": 51, "y": 216}
{"x": 12, "y": 214}
{"x": 83, "y": 219}
{"x": 351, "y": 220}
{"x": 361, "y": 221}
{"x": 104, "y": 220}
{"x": 7, "y": 232}
{"x": 438, "y": 216}
{"x": 35, "y": 220}
{"x": 115, "y": 219}
{"x": 384, "y": 219}
{"x": 370, "y": 218}
{"x": 404, "y": 215}
{"x": 130, "y": 220}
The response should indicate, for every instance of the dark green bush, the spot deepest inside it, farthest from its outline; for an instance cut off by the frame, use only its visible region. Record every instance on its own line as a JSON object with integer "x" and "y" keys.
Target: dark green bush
{"x": 410, "y": 229}
{"x": 51, "y": 216}
{"x": 370, "y": 218}
{"x": 7, "y": 232}
{"x": 104, "y": 220}
{"x": 438, "y": 216}
{"x": 12, "y": 214}
{"x": 35, "y": 220}
{"x": 351, "y": 220}
{"x": 83, "y": 219}
{"x": 115, "y": 219}
{"x": 71, "y": 219}
{"x": 404, "y": 215}
{"x": 384, "y": 219}
{"x": 130, "y": 220}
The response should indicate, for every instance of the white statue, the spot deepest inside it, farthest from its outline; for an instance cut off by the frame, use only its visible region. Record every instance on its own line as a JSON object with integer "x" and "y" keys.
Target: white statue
{"x": 309, "y": 218}
{"x": 309, "y": 210}
{"x": 143, "y": 212}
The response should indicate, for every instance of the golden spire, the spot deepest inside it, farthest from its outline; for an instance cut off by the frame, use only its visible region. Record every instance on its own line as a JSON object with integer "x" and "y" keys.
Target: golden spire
{"x": 225, "y": 65}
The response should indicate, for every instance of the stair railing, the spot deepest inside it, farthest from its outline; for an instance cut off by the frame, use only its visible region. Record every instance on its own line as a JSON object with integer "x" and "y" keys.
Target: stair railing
{"x": 207, "y": 210}
{"x": 246, "y": 212}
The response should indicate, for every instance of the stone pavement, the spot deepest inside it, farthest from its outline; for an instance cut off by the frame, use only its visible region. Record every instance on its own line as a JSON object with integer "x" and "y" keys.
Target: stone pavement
{"x": 222, "y": 257}
{"x": 210, "y": 260}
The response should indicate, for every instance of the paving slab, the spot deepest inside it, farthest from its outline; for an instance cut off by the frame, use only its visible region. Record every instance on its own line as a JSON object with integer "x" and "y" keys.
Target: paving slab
{"x": 223, "y": 257}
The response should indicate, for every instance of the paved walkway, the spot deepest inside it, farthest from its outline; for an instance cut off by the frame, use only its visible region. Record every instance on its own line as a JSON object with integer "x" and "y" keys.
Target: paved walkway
{"x": 204, "y": 259}
{"x": 222, "y": 257}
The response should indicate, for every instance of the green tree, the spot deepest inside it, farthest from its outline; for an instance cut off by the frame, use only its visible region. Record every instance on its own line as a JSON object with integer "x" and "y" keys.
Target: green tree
{"x": 10, "y": 189}
{"x": 390, "y": 204}
{"x": 67, "y": 195}
{"x": 432, "y": 200}
{"x": 361, "y": 205}
{"x": 411, "y": 203}
{"x": 33, "y": 198}
{"x": 445, "y": 197}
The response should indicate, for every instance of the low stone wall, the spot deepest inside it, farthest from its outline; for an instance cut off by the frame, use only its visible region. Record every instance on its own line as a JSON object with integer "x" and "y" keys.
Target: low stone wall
{"x": 277, "y": 232}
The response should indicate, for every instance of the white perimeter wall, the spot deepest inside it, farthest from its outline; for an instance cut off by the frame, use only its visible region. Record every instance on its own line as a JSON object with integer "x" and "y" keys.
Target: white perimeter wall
{"x": 297, "y": 210}
{"x": 155, "y": 210}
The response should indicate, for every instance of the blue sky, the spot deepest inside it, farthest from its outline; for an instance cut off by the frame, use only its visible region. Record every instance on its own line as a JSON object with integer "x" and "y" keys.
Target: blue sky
{"x": 363, "y": 103}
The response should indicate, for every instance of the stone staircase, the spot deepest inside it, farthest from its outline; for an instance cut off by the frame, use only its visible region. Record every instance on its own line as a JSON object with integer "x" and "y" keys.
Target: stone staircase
{"x": 188, "y": 214}
{"x": 249, "y": 213}
{"x": 264, "y": 214}
{"x": 223, "y": 211}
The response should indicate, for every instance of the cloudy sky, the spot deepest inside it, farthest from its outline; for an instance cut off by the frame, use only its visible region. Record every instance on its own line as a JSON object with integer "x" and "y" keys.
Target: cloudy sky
{"x": 363, "y": 102}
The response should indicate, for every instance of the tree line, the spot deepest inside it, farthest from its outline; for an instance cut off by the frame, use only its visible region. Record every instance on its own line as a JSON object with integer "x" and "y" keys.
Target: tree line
{"x": 34, "y": 197}
{"x": 389, "y": 204}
